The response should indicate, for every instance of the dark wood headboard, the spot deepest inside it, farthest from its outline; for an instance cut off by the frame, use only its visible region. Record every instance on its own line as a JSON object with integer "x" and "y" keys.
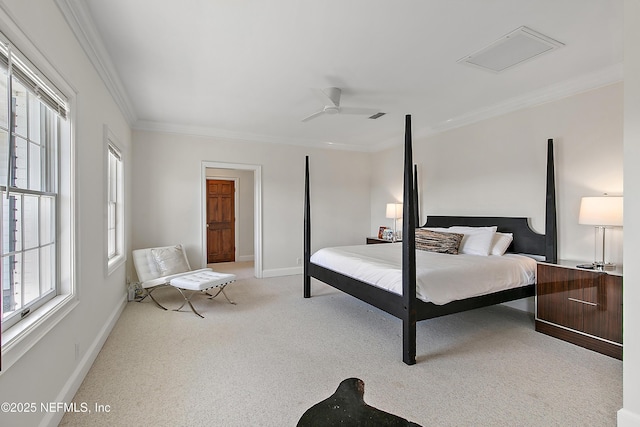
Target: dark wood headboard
{"x": 525, "y": 240}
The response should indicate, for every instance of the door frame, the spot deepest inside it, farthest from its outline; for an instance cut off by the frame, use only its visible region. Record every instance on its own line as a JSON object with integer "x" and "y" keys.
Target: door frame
{"x": 257, "y": 209}
{"x": 236, "y": 214}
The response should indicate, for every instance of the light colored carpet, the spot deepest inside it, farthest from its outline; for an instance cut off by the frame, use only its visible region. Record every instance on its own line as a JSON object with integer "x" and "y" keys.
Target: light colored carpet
{"x": 264, "y": 361}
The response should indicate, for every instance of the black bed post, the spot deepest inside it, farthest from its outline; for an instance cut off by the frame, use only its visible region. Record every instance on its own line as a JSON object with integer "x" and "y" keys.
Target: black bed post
{"x": 416, "y": 205}
{"x": 551, "y": 228}
{"x": 408, "y": 254}
{"x": 307, "y": 231}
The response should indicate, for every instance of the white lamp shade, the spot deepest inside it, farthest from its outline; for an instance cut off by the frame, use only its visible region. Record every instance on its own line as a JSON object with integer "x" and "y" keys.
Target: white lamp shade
{"x": 394, "y": 210}
{"x": 601, "y": 211}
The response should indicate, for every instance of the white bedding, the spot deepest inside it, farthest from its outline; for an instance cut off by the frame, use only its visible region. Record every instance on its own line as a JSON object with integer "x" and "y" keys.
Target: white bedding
{"x": 441, "y": 278}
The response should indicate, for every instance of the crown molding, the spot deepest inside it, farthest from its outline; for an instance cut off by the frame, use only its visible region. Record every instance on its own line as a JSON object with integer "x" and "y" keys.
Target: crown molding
{"x": 78, "y": 18}
{"x": 584, "y": 83}
{"x": 148, "y": 126}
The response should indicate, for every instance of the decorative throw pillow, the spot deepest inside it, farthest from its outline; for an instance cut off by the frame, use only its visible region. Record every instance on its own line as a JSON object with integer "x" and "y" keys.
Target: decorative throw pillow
{"x": 436, "y": 241}
{"x": 501, "y": 242}
{"x": 477, "y": 240}
{"x": 170, "y": 260}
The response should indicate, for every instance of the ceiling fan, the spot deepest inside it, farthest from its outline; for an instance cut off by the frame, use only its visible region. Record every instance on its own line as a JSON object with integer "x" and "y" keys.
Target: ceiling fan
{"x": 331, "y": 96}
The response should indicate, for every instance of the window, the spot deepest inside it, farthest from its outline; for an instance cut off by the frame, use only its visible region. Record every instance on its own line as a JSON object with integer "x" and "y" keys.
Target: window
{"x": 116, "y": 253}
{"x": 33, "y": 133}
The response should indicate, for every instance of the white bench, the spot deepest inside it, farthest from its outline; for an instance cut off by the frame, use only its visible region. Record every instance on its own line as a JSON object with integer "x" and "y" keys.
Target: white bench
{"x": 202, "y": 281}
{"x": 169, "y": 266}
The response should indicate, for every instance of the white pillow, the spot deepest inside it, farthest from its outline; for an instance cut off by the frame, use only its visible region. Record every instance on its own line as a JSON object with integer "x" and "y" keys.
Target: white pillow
{"x": 501, "y": 242}
{"x": 476, "y": 240}
{"x": 170, "y": 260}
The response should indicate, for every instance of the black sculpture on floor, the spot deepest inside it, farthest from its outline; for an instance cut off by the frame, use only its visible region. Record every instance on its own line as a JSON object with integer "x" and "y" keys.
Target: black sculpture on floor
{"x": 346, "y": 408}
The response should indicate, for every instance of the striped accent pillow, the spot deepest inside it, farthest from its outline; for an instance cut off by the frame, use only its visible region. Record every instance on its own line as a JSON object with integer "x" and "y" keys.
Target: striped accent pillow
{"x": 435, "y": 241}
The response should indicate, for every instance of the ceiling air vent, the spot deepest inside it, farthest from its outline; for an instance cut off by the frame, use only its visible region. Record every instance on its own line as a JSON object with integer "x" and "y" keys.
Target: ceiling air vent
{"x": 377, "y": 115}
{"x": 518, "y": 46}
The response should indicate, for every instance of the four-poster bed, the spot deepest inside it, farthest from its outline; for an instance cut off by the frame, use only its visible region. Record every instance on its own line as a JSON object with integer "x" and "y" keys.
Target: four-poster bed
{"x": 405, "y": 305}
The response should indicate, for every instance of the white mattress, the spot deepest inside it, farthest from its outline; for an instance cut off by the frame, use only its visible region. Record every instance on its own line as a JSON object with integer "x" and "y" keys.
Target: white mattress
{"x": 441, "y": 278}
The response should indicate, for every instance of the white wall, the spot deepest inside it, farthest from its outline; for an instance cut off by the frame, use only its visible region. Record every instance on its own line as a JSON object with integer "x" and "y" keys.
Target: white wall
{"x": 167, "y": 198}
{"x": 629, "y": 415}
{"x": 50, "y": 371}
{"x": 498, "y": 166}
{"x": 244, "y": 206}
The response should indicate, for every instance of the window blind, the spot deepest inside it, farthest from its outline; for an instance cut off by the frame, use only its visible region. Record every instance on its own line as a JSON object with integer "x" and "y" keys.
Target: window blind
{"x": 115, "y": 153}
{"x": 31, "y": 78}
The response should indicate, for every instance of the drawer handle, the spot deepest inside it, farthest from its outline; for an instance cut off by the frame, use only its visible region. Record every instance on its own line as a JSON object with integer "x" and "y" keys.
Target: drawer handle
{"x": 583, "y": 302}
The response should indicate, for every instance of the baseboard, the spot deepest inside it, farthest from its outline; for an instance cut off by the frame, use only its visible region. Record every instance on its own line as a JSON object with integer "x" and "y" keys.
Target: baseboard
{"x": 626, "y": 418}
{"x": 243, "y": 258}
{"x": 75, "y": 380}
{"x": 277, "y": 272}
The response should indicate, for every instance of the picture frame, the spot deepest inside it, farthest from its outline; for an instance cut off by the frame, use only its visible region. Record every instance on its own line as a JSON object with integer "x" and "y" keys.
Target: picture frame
{"x": 381, "y": 231}
{"x": 387, "y": 234}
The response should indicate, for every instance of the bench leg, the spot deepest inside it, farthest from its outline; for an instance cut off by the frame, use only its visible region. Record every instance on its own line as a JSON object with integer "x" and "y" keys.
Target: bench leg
{"x": 221, "y": 290}
{"x": 187, "y": 300}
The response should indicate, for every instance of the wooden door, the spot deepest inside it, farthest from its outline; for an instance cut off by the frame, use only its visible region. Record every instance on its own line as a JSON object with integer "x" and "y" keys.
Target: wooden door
{"x": 221, "y": 221}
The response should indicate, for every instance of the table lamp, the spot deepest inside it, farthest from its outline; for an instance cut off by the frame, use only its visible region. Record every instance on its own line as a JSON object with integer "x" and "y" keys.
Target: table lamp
{"x": 394, "y": 210}
{"x": 602, "y": 212}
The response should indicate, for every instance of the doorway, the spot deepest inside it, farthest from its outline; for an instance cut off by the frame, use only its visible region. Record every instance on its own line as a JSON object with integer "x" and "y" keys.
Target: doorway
{"x": 221, "y": 220}
{"x": 251, "y": 176}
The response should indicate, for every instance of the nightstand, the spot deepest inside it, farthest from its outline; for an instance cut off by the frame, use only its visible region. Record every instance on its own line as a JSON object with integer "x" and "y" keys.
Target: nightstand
{"x": 580, "y": 306}
{"x": 375, "y": 240}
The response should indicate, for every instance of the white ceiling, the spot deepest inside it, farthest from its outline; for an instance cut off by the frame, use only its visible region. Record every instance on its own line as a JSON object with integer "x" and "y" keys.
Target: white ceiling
{"x": 244, "y": 69}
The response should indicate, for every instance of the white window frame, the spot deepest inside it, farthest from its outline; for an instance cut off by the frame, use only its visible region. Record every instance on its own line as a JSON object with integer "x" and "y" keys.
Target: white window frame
{"x": 114, "y": 203}
{"x": 19, "y": 338}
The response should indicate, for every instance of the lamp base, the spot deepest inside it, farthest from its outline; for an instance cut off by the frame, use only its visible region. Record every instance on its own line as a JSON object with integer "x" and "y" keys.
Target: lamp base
{"x": 604, "y": 266}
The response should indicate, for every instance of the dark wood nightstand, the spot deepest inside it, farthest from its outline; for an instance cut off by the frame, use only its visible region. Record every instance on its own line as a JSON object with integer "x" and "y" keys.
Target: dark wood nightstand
{"x": 375, "y": 240}
{"x": 580, "y": 306}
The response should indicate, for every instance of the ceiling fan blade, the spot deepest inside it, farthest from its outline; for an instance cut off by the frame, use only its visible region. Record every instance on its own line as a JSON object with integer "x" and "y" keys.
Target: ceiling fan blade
{"x": 330, "y": 95}
{"x": 313, "y": 116}
{"x": 355, "y": 110}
